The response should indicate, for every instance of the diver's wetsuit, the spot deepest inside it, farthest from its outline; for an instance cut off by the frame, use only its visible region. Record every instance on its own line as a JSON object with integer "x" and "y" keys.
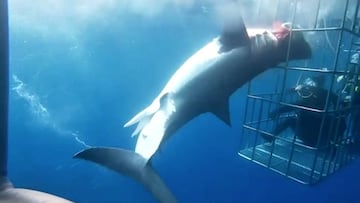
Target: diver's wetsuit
{"x": 355, "y": 120}
{"x": 355, "y": 117}
{"x": 307, "y": 124}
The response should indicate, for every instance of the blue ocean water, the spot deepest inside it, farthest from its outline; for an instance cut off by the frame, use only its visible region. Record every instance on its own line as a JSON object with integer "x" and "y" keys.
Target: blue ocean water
{"x": 80, "y": 70}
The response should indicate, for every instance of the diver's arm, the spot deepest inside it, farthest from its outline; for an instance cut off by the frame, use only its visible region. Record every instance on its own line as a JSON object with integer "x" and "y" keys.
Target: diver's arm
{"x": 281, "y": 110}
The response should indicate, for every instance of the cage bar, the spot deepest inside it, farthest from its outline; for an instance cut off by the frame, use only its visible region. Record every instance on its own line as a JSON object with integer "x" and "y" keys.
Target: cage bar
{"x": 333, "y": 30}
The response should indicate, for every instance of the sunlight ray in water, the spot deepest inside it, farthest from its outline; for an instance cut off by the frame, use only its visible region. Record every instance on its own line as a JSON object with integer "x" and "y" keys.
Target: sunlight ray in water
{"x": 40, "y": 112}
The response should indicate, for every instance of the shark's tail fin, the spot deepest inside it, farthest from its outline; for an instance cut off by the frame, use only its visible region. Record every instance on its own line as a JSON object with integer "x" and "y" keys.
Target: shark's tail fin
{"x": 131, "y": 164}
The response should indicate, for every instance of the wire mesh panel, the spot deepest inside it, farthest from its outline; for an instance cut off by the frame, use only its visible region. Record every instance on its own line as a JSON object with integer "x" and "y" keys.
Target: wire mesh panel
{"x": 304, "y": 123}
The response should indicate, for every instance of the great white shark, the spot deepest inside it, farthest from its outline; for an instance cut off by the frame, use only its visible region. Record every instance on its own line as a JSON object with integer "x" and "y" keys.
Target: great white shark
{"x": 203, "y": 84}
{"x": 8, "y": 193}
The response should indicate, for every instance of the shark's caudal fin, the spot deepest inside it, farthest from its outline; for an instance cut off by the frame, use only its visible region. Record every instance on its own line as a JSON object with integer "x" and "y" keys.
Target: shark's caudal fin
{"x": 131, "y": 164}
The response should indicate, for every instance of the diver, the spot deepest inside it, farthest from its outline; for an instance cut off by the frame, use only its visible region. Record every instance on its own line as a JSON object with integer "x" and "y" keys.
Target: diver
{"x": 355, "y": 114}
{"x": 350, "y": 93}
{"x": 354, "y": 120}
{"x": 308, "y": 124}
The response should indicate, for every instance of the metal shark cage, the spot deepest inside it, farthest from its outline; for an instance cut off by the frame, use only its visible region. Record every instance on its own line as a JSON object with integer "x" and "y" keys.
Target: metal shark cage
{"x": 334, "y": 36}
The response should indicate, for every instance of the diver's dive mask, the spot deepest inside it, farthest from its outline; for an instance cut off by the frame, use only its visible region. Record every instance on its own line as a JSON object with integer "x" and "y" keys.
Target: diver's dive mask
{"x": 306, "y": 89}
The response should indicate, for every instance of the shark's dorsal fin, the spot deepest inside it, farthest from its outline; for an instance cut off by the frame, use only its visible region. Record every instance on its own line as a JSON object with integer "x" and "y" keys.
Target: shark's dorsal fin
{"x": 222, "y": 112}
{"x": 233, "y": 35}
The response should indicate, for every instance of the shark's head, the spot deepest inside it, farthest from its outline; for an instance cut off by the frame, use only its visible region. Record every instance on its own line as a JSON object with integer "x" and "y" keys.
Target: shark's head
{"x": 292, "y": 44}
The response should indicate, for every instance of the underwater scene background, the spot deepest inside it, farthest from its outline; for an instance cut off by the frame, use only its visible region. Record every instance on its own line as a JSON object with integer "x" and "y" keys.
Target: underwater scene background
{"x": 80, "y": 69}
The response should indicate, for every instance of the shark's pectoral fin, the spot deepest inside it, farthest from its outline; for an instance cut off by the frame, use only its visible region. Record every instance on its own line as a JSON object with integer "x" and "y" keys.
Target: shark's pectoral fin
{"x": 221, "y": 110}
{"x": 131, "y": 164}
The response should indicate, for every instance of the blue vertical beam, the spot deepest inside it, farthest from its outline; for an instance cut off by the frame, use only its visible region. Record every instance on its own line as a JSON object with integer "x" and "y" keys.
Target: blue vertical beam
{"x": 4, "y": 85}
